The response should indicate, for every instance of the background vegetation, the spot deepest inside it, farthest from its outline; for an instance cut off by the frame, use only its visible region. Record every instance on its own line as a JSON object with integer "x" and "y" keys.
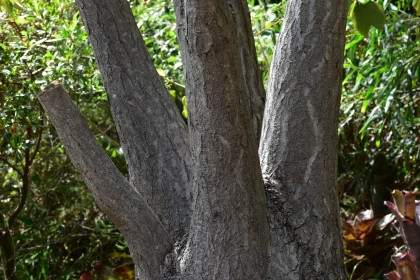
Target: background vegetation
{"x": 57, "y": 231}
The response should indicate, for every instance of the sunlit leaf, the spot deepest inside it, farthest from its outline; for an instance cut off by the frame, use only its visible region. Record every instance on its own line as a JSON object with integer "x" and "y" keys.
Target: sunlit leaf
{"x": 6, "y": 5}
{"x": 366, "y": 15}
{"x": 376, "y": 12}
{"x": 184, "y": 105}
{"x": 360, "y": 18}
{"x": 416, "y": 6}
{"x": 161, "y": 72}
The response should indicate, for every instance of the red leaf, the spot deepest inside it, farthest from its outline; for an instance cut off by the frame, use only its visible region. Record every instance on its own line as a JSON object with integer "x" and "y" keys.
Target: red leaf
{"x": 392, "y": 276}
{"x": 87, "y": 276}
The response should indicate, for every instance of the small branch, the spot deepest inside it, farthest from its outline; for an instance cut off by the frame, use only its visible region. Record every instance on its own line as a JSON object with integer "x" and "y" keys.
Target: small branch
{"x": 151, "y": 130}
{"x": 38, "y": 144}
{"x": 14, "y": 167}
{"x": 116, "y": 144}
{"x": 265, "y": 29}
{"x": 267, "y": 64}
{"x": 114, "y": 195}
{"x": 25, "y": 188}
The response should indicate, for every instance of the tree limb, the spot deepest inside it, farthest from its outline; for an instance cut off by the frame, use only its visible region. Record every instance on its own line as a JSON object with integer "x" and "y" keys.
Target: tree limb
{"x": 147, "y": 239}
{"x": 298, "y": 147}
{"x": 152, "y": 133}
{"x": 25, "y": 187}
{"x": 249, "y": 64}
{"x": 228, "y": 237}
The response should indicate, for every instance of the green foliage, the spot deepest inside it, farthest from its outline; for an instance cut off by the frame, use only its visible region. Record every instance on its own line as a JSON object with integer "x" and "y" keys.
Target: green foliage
{"x": 416, "y": 5}
{"x": 266, "y": 23}
{"x": 60, "y": 231}
{"x": 366, "y": 15}
{"x": 379, "y": 144}
{"x": 380, "y": 122}
{"x": 10, "y": 5}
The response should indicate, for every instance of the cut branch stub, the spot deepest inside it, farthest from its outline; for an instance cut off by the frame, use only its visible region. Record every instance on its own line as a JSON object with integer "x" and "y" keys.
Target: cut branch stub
{"x": 145, "y": 235}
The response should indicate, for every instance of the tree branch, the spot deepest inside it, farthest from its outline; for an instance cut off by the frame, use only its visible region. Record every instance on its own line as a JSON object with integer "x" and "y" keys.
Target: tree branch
{"x": 14, "y": 167}
{"x": 152, "y": 133}
{"x": 38, "y": 144}
{"x": 148, "y": 240}
{"x": 298, "y": 147}
{"x": 249, "y": 64}
{"x": 229, "y": 234}
{"x": 25, "y": 186}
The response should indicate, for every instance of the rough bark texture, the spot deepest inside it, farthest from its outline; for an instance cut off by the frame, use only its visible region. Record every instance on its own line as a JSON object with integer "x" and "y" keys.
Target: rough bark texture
{"x": 152, "y": 133}
{"x": 147, "y": 239}
{"x": 298, "y": 148}
{"x": 249, "y": 64}
{"x": 229, "y": 234}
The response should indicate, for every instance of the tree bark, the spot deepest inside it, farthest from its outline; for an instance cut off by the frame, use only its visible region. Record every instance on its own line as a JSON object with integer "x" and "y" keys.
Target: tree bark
{"x": 298, "y": 148}
{"x": 152, "y": 133}
{"x": 210, "y": 185}
{"x": 229, "y": 233}
{"x": 254, "y": 87}
{"x": 146, "y": 237}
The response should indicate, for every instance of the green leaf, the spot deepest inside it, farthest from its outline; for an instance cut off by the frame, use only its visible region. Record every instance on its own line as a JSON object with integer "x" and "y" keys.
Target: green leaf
{"x": 376, "y": 12}
{"x": 36, "y": 180}
{"x": 173, "y": 94}
{"x": 416, "y": 6}
{"x": 360, "y": 18}
{"x": 7, "y": 5}
{"x": 21, "y": 20}
{"x": 161, "y": 72}
{"x": 354, "y": 42}
{"x": 366, "y": 15}
{"x": 184, "y": 105}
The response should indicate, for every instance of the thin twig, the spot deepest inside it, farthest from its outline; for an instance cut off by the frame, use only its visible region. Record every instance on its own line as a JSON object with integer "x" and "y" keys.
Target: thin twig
{"x": 116, "y": 144}
{"x": 265, "y": 57}
{"x": 38, "y": 142}
{"x": 25, "y": 182}
{"x": 265, "y": 29}
{"x": 14, "y": 167}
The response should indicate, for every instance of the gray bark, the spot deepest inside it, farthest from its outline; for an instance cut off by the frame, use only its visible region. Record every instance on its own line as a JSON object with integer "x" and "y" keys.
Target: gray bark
{"x": 229, "y": 233}
{"x": 298, "y": 148}
{"x": 211, "y": 185}
{"x": 114, "y": 195}
{"x": 152, "y": 134}
{"x": 254, "y": 87}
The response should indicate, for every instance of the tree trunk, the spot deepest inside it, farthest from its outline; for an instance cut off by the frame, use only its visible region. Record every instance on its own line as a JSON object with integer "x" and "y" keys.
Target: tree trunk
{"x": 195, "y": 205}
{"x": 298, "y": 148}
{"x": 229, "y": 215}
